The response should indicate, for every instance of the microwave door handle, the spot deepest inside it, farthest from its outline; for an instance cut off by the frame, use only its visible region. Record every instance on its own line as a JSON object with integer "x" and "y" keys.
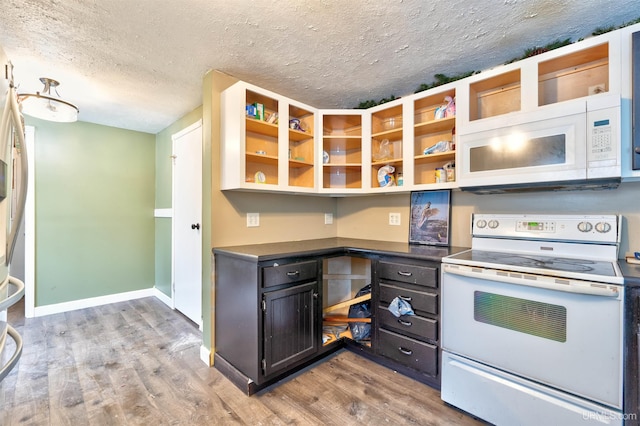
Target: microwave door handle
{"x": 549, "y": 283}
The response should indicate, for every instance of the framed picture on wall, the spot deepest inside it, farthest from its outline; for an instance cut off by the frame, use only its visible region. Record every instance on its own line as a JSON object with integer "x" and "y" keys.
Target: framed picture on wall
{"x": 430, "y": 217}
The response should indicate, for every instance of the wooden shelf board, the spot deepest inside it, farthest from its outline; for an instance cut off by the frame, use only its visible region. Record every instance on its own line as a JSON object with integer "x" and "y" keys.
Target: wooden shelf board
{"x": 434, "y": 157}
{"x": 392, "y": 134}
{"x": 299, "y": 164}
{"x": 297, "y": 135}
{"x": 345, "y": 165}
{"x": 345, "y": 277}
{"x": 435, "y": 126}
{"x": 262, "y": 159}
{"x": 261, "y": 127}
{"x": 385, "y": 162}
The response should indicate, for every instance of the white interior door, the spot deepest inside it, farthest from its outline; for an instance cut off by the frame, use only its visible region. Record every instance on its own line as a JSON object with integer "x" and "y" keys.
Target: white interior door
{"x": 187, "y": 222}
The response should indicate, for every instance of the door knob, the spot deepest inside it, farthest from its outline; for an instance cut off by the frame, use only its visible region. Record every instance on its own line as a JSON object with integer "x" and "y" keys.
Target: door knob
{"x": 195, "y": 226}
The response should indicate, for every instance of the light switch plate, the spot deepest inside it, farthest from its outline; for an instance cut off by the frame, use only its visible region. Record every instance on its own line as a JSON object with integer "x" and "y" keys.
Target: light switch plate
{"x": 253, "y": 220}
{"x": 394, "y": 219}
{"x": 328, "y": 218}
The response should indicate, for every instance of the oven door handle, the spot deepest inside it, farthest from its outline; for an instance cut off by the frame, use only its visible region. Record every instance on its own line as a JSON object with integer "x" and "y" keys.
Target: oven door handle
{"x": 539, "y": 281}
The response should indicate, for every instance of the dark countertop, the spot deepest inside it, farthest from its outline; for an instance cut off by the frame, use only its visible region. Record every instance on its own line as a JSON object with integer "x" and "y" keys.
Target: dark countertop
{"x": 631, "y": 273}
{"x": 337, "y": 246}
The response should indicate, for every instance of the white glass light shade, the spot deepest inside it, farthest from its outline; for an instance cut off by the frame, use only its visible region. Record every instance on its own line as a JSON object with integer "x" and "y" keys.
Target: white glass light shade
{"x": 47, "y": 107}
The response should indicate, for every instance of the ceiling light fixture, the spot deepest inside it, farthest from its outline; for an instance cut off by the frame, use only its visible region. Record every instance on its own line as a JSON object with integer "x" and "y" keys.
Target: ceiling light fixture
{"x": 47, "y": 107}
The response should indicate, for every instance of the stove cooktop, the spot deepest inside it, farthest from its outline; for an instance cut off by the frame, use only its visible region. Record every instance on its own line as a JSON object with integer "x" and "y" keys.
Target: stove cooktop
{"x": 593, "y": 270}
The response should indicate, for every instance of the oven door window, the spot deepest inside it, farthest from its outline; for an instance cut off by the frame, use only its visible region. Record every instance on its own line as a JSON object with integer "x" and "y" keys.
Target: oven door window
{"x": 540, "y": 319}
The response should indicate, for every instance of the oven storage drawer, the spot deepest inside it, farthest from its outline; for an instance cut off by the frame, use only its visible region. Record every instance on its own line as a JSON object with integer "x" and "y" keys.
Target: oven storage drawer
{"x": 289, "y": 273}
{"x": 418, "y": 355}
{"x": 415, "y": 325}
{"x": 412, "y": 274}
{"x": 419, "y": 300}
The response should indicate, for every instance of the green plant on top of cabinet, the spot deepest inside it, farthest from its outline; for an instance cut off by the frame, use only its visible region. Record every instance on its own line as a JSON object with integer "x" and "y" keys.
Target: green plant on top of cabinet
{"x": 342, "y": 150}
{"x": 301, "y": 147}
{"x": 386, "y": 143}
{"x": 433, "y": 137}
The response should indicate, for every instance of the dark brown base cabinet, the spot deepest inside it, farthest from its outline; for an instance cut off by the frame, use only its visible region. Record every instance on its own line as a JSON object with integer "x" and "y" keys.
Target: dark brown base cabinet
{"x": 268, "y": 315}
{"x": 632, "y": 357}
{"x": 411, "y": 340}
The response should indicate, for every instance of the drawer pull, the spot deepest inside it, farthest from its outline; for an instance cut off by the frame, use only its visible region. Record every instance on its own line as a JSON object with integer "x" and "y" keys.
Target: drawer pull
{"x": 405, "y": 298}
{"x": 405, "y": 351}
{"x": 405, "y": 323}
{"x": 293, "y": 273}
{"x": 405, "y": 274}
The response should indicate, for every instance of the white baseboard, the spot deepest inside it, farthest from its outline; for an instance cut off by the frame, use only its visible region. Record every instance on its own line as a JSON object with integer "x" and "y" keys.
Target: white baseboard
{"x": 163, "y": 298}
{"x": 93, "y": 301}
{"x": 205, "y": 356}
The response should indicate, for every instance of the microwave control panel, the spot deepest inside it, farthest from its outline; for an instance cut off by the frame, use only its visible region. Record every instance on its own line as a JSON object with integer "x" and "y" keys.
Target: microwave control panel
{"x": 602, "y": 135}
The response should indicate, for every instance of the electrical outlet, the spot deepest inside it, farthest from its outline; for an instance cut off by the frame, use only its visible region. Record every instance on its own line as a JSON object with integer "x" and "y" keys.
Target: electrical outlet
{"x": 253, "y": 220}
{"x": 328, "y": 218}
{"x": 394, "y": 219}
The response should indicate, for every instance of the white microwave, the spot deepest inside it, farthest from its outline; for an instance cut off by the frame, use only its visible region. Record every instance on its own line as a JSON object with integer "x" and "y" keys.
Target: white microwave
{"x": 574, "y": 145}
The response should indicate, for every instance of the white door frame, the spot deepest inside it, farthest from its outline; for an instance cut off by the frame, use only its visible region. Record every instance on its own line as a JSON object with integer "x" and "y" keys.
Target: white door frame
{"x": 175, "y": 136}
{"x": 30, "y": 226}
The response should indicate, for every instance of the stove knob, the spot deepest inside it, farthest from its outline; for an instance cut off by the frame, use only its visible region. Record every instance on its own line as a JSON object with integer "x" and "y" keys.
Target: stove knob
{"x": 585, "y": 226}
{"x": 493, "y": 224}
{"x": 603, "y": 227}
{"x": 481, "y": 223}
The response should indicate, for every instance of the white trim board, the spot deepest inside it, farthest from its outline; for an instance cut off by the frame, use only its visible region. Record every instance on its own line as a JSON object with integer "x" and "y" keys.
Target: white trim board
{"x": 93, "y": 301}
{"x": 163, "y": 213}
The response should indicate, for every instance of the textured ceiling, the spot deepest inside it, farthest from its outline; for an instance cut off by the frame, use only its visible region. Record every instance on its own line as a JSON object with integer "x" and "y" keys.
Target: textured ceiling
{"x": 139, "y": 64}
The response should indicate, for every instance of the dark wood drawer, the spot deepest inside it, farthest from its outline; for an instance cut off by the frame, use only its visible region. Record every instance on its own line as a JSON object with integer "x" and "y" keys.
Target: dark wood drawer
{"x": 410, "y": 352}
{"x": 289, "y": 273}
{"x": 413, "y": 274}
{"x": 419, "y": 300}
{"x": 414, "y": 325}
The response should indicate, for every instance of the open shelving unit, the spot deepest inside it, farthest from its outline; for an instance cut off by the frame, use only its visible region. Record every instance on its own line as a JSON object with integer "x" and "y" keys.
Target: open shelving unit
{"x": 428, "y": 131}
{"x": 301, "y": 148}
{"x": 342, "y": 140}
{"x": 581, "y": 73}
{"x": 261, "y": 142}
{"x": 386, "y": 142}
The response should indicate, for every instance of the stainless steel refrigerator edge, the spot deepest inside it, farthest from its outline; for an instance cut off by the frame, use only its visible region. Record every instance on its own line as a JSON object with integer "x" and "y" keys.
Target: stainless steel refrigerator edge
{"x": 13, "y": 184}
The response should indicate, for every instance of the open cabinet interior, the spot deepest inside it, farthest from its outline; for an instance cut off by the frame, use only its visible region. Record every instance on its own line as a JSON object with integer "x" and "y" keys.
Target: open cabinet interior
{"x": 343, "y": 277}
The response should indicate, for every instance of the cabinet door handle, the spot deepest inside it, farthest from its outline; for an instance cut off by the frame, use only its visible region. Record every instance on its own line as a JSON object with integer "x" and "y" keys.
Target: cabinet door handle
{"x": 405, "y": 274}
{"x": 405, "y": 298}
{"x": 405, "y": 323}
{"x": 293, "y": 273}
{"x": 315, "y": 295}
{"x": 405, "y": 351}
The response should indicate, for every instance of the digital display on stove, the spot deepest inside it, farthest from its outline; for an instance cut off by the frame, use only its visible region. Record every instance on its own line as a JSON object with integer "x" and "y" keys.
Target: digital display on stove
{"x": 534, "y": 226}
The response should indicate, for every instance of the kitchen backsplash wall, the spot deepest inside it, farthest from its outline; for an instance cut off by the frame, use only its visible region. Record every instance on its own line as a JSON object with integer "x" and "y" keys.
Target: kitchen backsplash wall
{"x": 368, "y": 217}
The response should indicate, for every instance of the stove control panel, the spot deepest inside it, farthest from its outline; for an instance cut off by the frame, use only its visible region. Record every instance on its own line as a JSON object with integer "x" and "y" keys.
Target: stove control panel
{"x": 539, "y": 226}
{"x": 582, "y": 228}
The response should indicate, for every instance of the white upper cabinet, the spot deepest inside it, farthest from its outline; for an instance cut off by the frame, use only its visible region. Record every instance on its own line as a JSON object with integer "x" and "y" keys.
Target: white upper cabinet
{"x": 267, "y": 141}
{"x": 273, "y": 143}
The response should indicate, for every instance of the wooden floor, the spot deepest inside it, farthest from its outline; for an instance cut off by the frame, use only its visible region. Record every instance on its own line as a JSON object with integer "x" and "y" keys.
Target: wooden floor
{"x": 137, "y": 363}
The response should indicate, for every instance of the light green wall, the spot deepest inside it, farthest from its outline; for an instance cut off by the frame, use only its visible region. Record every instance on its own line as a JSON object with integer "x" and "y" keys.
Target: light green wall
{"x": 94, "y": 211}
{"x": 163, "y": 164}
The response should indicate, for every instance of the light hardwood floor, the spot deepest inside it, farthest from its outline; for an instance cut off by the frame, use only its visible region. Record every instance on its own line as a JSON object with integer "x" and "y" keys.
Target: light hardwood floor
{"x": 137, "y": 363}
